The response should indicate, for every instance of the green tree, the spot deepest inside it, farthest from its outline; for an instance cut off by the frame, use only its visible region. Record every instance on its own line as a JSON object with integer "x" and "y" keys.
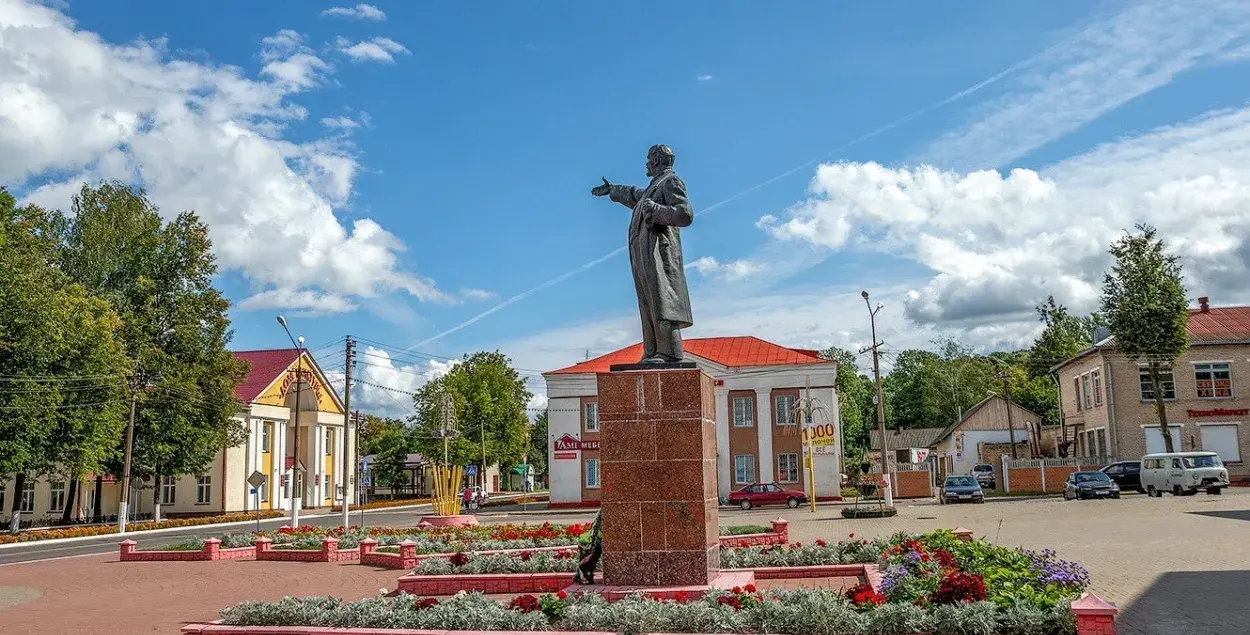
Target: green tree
{"x": 538, "y": 445}
{"x": 851, "y": 396}
{"x": 159, "y": 278}
{"x": 61, "y": 360}
{"x": 374, "y": 436}
{"x": 488, "y": 398}
{"x": 1144, "y": 301}
{"x": 1064, "y": 336}
{"x": 391, "y": 449}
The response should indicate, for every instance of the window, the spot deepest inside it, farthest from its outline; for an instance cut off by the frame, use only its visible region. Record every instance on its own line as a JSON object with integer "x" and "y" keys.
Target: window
{"x": 28, "y": 496}
{"x": 744, "y": 412}
{"x": 590, "y": 415}
{"x": 203, "y": 490}
{"x": 264, "y": 491}
{"x": 1165, "y": 382}
{"x": 1096, "y": 378}
{"x": 1076, "y": 390}
{"x": 1154, "y": 438}
{"x": 1087, "y": 395}
{"x": 788, "y": 468}
{"x": 330, "y": 486}
{"x": 1222, "y": 439}
{"x": 1090, "y": 444}
{"x": 784, "y": 410}
{"x": 266, "y": 432}
{"x": 329, "y": 441}
{"x": 169, "y": 491}
{"x": 592, "y": 473}
{"x": 1102, "y": 441}
{"x": 56, "y": 501}
{"x": 744, "y": 469}
{"x": 1215, "y": 380}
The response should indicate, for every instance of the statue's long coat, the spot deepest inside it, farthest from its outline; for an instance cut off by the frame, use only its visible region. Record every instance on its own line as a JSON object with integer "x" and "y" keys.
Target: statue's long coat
{"x": 655, "y": 248}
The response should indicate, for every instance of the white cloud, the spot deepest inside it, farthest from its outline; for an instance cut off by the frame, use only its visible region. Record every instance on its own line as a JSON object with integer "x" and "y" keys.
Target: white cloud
{"x": 384, "y": 382}
{"x": 708, "y": 266}
{"x": 703, "y": 78}
{"x": 477, "y": 295}
{"x": 377, "y": 49}
{"x": 1098, "y": 69}
{"x": 197, "y": 136}
{"x": 998, "y": 244}
{"x": 361, "y": 11}
{"x": 307, "y": 301}
{"x": 341, "y": 122}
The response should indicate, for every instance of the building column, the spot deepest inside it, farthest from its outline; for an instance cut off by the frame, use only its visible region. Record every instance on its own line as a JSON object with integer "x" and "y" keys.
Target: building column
{"x": 319, "y": 461}
{"x": 764, "y": 430}
{"x": 724, "y": 462}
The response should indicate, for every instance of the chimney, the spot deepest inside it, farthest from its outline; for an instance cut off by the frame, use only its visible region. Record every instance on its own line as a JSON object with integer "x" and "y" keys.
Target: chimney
{"x": 1101, "y": 333}
{"x": 1203, "y": 305}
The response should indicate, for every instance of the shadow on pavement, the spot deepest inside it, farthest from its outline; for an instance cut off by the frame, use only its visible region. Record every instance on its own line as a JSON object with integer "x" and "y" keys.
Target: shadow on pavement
{"x": 1208, "y": 602}
{"x": 1232, "y": 514}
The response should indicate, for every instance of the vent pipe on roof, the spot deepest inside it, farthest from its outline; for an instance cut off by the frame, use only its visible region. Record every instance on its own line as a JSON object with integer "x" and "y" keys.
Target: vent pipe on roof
{"x": 1204, "y": 305}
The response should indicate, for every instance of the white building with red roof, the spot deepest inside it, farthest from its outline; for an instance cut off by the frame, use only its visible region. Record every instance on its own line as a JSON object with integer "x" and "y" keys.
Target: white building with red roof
{"x": 764, "y": 392}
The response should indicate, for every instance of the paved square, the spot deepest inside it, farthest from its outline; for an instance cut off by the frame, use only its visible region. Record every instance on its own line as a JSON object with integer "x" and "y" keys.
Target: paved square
{"x": 1172, "y": 565}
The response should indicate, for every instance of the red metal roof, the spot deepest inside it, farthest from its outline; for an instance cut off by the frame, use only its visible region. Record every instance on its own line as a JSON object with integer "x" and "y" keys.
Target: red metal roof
{"x": 1220, "y": 325}
{"x": 733, "y": 352}
{"x": 266, "y": 367}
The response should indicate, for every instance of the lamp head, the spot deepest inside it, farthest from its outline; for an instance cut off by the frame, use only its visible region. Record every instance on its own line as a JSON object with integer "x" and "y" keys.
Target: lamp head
{"x": 282, "y": 320}
{"x": 862, "y": 294}
{"x": 300, "y": 339}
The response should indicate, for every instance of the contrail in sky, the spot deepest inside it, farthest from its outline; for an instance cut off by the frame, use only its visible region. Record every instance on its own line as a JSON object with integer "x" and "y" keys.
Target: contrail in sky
{"x": 993, "y": 79}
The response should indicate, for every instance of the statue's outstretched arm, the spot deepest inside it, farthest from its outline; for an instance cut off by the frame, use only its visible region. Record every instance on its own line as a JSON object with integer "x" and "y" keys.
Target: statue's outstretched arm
{"x": 626, "y": 195}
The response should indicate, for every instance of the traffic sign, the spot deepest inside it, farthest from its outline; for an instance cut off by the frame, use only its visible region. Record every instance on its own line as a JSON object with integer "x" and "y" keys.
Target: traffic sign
{"x": 256, "y": 479}
{"x": 471, "y": 470}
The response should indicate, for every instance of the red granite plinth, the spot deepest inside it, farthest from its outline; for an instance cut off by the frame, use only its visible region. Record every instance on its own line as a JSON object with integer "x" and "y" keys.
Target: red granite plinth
{"x": 459, "y": 520}
{"x": 657, "y": 443}
{"x": 721, "y": 581}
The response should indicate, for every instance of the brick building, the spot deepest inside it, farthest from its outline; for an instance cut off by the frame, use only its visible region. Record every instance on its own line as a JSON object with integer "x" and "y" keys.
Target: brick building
{"x": 1108, "y": 400}
{"x": 759, "y": 386}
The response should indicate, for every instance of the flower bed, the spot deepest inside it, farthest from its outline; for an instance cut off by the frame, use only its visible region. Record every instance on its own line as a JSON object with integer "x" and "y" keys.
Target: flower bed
{"x": 745, "y": 611}
{"x": 209, "y": 552}
{"x": 383, "y": 504}
{"x": 104, "y": 530}
{"x": 869, "y": 512}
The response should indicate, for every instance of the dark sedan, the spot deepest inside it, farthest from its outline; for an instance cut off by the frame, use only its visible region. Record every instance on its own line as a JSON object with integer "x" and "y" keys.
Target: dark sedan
{"x": 1126, "y": 474}
{"x": 1086, "y": 485}
{"x": 961, "y": 489}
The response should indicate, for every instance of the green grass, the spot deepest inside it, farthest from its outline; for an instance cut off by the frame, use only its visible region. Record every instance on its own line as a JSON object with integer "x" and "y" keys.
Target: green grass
{"x": 742, "y": 530}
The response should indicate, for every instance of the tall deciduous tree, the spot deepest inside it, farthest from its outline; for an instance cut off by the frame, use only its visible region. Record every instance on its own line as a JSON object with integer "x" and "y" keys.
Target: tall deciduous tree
{"x": 538, "y": 445}
{"x": 488, "y": 396}
{"x": 1064, "y": 335}
{"x": 1144, "y": 301}
{"x": 851, "y": 396}
{"x": 61, "y": 360}
{"x": 158, "y": 277}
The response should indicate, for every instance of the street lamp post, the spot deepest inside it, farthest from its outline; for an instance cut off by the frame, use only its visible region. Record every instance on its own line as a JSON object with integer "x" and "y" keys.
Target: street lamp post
{"x": 876, "y": 371}
{"x": 296, "y": 483}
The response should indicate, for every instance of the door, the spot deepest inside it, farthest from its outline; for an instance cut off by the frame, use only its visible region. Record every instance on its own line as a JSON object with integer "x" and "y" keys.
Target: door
{"x": 1176, "y": 475}
{"x": 266, "y": 464}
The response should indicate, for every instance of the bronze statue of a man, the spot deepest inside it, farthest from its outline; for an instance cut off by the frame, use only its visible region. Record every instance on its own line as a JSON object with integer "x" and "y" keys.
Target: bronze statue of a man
{"x": 660, "y": 210}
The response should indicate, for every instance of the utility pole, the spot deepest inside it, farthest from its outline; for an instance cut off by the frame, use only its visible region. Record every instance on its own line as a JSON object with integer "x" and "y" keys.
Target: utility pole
{"x": 296, "y": 483}
{"x": 1011, "y": 428}
{"x": 123, "y": 507}
{"x": 481, "y": 470}
{"x": 876, "y": 371}
{"x": 349, "y": 475}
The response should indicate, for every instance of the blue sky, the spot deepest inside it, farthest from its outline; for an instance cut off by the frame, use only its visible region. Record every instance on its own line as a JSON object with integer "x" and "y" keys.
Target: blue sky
{"x": 393, "y": 170}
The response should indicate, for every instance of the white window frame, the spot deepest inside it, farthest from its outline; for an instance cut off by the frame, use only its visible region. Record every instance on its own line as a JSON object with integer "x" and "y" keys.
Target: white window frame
{"x": 329, "y": 441}
{"x": 1095, "y": 379}
{"x": 1232, "y": 388}
{"x": 790, "y": 410}
{"x": 748, "y": 419}
{"x": 1100, "y": 442}
{"x": 784, "y": 472}
{"x": 266, "y": 439}
{"x": 28, "y": 497}
{"x": 56, "y": 495}
{"x": 748, "y": 474}
{"x": 1087, "y": 392}
{"x": 1223, "y": 424}
{"x": 590, "y": 416}
{"x": 169, "y": 490}
{"x": 1076, "y": 386}
{"x": 1143, "y": 375}
{"x": 592, "y": 483}
{"x": 204, "y": 489}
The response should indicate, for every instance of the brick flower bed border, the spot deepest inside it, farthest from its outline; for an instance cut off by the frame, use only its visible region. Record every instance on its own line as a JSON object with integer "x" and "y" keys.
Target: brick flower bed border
{"x": 211, "y": 552}
{"x": 329, "y": 552}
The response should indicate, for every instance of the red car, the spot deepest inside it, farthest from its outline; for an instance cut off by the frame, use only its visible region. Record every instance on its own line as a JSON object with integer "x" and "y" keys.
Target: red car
{"x": 767, "y": 494}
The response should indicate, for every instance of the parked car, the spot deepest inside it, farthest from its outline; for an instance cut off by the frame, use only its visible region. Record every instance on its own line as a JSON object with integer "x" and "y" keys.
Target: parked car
{"x": 1126, "y": 474}
{"x": 761, "y": 494}
{"x": 1086, "y": 485}
{"x": 984, "y": 473}
{"x": 961, "y": 489}
{"x": 1183, "y": 473}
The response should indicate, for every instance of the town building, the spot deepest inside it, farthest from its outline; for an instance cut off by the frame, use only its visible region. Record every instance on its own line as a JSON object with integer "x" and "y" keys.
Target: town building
{"x": 269, "y": 400}
{"x": 1108, "y": 403}
{"x": 760, "y": 387}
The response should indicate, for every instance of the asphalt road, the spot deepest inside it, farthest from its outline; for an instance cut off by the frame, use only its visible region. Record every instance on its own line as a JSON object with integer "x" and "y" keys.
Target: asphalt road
{"x": 40, "y": 550}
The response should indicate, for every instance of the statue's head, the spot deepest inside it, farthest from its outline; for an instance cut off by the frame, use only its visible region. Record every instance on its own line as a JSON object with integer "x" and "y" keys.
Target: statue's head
{"x": 659, "y": 159}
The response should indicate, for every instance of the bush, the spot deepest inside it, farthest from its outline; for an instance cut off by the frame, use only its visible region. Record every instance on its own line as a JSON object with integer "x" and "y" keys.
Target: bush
{"x": 524, "y": 562}
{"x": 850, "y": 492}
{"x": 869, "y": 512}
{"x": 742, "y": 530}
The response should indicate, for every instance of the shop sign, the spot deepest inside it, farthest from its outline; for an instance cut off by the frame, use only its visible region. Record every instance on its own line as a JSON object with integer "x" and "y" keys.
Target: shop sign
{"x": 820, "y": 435}
{"x": 567, "y": 446}
{"x": 1219, "y": 412}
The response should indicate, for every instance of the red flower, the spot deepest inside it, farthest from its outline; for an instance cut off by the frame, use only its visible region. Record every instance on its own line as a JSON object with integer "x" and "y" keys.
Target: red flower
{"x": 924, "y": 557}
{"x": 736, "y": 590}
{"x": 730, "y": 600}
{"x": 680, "y": 596}
{"x": 564, "y": 554}
{"x": 524, "y": 603}
{"x": 561, "y": 595}
{"x": 945, "y": 558}
{"x": 744, "y": 544}
{"x": 960, "y": 587}
{"x": 797, "y": 545}
{"x": 821, "y": 543}
{"x": 524, "y": 555}
{"x": 459, "y": 559}
{"x": 750, "y": 588}
{"x": 864, "y": 595}
{"x": 852, "y": 535}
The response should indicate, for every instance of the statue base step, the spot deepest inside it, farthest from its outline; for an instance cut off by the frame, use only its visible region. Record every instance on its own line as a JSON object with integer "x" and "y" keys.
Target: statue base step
{"x": 723, "y": 581}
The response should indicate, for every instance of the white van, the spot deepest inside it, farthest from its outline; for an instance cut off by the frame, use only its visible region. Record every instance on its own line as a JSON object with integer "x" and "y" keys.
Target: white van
{"x": 1183, "y": 473}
